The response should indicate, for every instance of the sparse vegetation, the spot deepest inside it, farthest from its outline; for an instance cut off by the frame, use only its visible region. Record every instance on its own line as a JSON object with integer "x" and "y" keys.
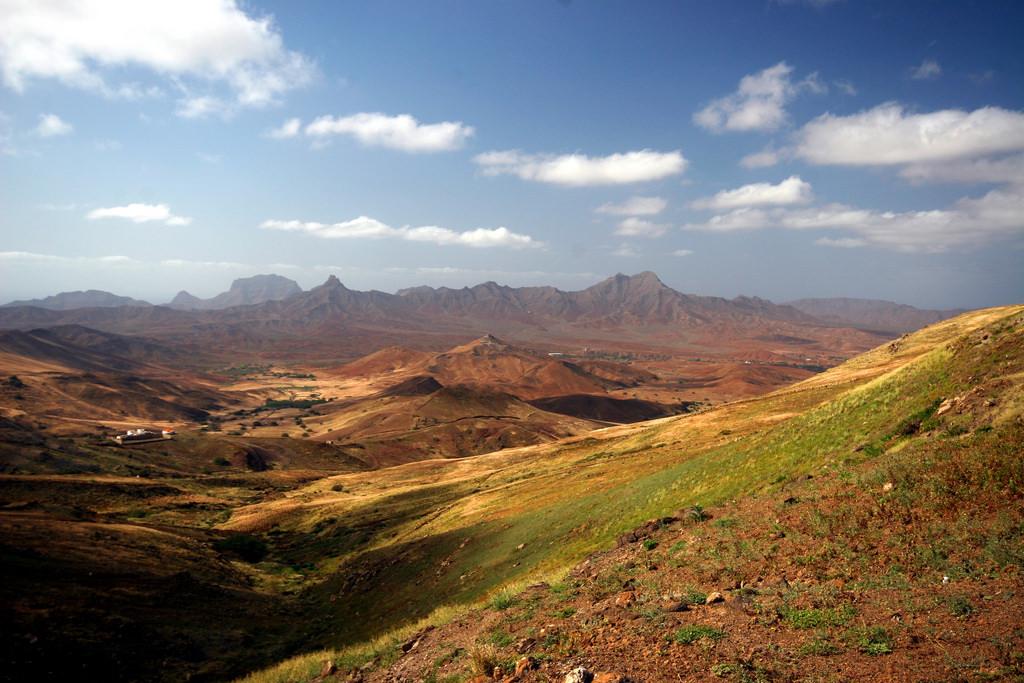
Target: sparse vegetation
{"x": 244, "y": 546}
{"x": 687, "y": 635}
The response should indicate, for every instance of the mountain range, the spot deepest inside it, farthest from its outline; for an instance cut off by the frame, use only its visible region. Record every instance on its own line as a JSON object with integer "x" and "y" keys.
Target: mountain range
{"x": 245, "y": 291}
{"x": 91, "y": 298}
{"x": 271, "y": 314}
{"x": 871, "y": 314}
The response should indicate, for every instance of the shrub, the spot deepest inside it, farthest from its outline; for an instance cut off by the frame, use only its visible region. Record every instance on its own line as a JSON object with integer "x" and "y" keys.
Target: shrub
{"x": 503, "y": 600}
{"x": 483, "y": 659}
{"x": 874, "y": 641}
{"x": 820, "y": 646}
{"x": 650, "y": 544}
{"x": 960, "y": 606}
{"x": 244, "y": 546}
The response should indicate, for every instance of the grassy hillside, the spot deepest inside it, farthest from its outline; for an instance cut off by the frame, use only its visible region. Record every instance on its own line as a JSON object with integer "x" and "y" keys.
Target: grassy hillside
{"x": 388, "y": 548}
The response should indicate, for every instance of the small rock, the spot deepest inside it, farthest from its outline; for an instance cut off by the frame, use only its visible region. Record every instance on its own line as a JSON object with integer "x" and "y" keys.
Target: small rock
{"x": 887, "y": 486}
{"x": 525, "y": 645}
{"x": 523, "y": 665}
{"x": 713, "y": 598}
{"x": 945, "y": 580}
{"x": 674, "y": 606}
{"x": 625, "y": 599}
{"x": 520, "y": 546}
{"x": 328, "y": 669}
{"x": 579, "y": 675}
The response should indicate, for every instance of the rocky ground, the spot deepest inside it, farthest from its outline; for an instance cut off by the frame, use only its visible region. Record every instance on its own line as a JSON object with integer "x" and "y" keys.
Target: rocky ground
{"x": 908, "y": 568}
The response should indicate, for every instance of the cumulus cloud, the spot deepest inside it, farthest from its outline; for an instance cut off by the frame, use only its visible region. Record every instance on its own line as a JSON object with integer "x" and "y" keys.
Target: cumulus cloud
{"x": 365, "y": 227}
{"x": 638, "y": 227}
{"x": 763, "y": 159}
{"x": 288, "y": 129}
{"x": 967, "y": 223}
{"x": 759, "y": 102}
{"x": 51, "y": 125}
{"x": 1008, "y": 169}
{"x": 792, "y": 190}
{"x": 928, "y": 70}
{"x": 194, "y": 44}
{"x": 402, "y": 132}
{"x": 579, "y": 170}
{"x": 888, "y": 135}
{"x": 635, "y": 206}
{"x": 139, "y": 213}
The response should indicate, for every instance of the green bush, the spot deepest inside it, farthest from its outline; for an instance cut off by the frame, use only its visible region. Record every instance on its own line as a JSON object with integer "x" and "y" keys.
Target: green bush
{"x": 244, "y": 546}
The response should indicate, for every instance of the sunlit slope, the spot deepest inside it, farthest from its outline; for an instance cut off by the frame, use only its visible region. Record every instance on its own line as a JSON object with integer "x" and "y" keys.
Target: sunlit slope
{"x": 387, "y": 547}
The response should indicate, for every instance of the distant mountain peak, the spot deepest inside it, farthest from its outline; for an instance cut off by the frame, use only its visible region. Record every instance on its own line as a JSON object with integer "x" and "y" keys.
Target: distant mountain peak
{"x": 91, "y": 298}
{"x": 244, "y": 291}
{"x": 332, "y": 281}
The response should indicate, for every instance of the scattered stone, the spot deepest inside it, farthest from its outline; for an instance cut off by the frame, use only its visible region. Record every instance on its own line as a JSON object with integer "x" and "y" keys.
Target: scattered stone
{"x": 328, "y": 669}
{"x": 887, "y": 486}
{"x": 525, "y": 645}
{"x": 625, "y": 599}
{"x": 523, "y": 665}
{"x": 714, "y": 598}
{"x": 674, "y": 606}
{"x": 579, "y": 675}
{"x": 520, "y": 546}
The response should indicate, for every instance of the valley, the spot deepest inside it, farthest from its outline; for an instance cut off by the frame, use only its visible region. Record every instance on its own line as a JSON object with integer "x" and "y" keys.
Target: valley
{"x": 325, "y": 503}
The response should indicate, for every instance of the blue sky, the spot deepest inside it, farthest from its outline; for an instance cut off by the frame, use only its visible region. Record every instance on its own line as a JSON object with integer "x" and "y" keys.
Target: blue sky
{"x": 779, "y": 149}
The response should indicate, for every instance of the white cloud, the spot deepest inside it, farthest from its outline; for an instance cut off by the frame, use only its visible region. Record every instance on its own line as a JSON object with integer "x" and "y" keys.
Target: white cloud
{"x": 29, "y": 257}
{"x": 682, "y": 252}
{"x": 212, "y": 46}
{"x": 845, "y": 87}
{"x": 967, "y": 223}
{"x": 396, "y": 132}
{"x": 365, "y": 227}
{"x": 202, "y": 106}
{"x": 792, "y": 190}
{"x": 139, "y": 213}
{"x": 638, "y": 227}
{"x": 841, "y": 242}
{"x": 579, "y": 170}
{"x": 1008, "y": 169}
{"x": 887, "y": 135}
{"x": 288, "y": 129}
{"x": 635, "y": 206}
{"x": 928, "y": 70}
{"x": 216, "y": 265}
{"x": 626, "y": 251}
{"x": 51, "y": 125}
{"x": 759, "y": 102}
{"x": 763, "y": 159}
